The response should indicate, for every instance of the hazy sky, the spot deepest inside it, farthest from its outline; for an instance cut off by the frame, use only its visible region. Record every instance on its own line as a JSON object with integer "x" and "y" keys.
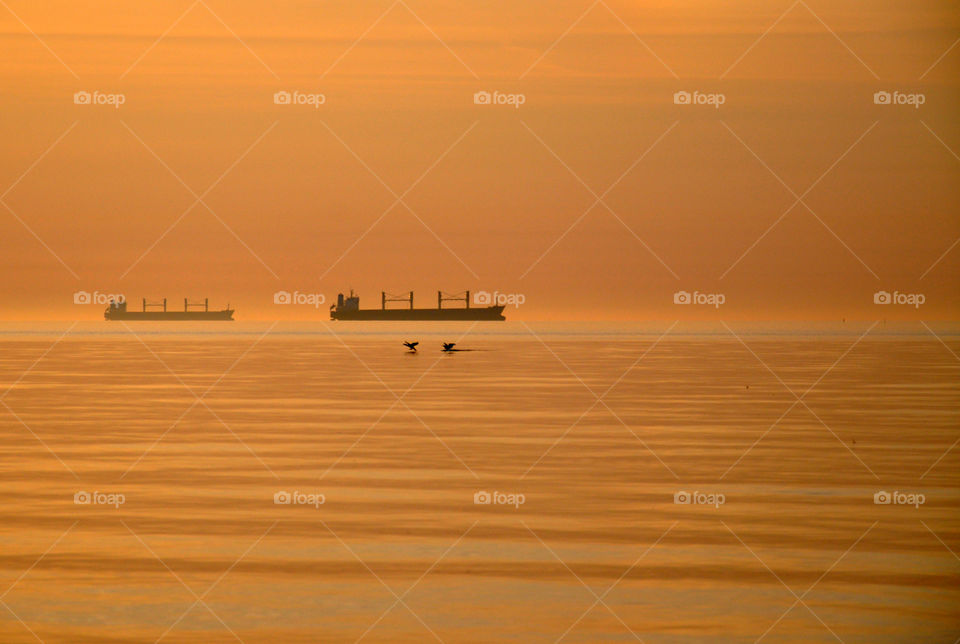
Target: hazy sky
{"x": 495, "y": 197}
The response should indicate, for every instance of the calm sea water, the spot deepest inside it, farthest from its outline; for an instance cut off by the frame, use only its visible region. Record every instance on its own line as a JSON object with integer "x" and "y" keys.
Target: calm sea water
{"x": 140, "y": 469}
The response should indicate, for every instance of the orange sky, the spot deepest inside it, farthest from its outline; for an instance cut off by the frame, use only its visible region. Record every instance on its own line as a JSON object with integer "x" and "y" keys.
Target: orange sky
{"x": 96, "y": 198}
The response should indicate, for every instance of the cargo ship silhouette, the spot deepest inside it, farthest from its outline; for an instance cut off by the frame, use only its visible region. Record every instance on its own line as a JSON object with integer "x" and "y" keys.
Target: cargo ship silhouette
{"x": 158, "y": 311}
{"x": 348, "y": 308}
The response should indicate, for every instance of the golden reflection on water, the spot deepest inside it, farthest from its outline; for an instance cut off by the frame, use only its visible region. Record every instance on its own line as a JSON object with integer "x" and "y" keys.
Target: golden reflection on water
{"x": 199, "y": 430}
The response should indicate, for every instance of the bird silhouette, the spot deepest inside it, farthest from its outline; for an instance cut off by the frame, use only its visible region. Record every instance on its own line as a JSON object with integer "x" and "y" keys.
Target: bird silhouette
{"x": 411, "y": 345}
{"x": 448, "y": 346}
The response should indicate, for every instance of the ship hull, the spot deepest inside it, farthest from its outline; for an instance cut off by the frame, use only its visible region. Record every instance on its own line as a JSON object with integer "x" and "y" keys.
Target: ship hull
{"x": 490, "y": 313}
{"x": 170, "y": 316}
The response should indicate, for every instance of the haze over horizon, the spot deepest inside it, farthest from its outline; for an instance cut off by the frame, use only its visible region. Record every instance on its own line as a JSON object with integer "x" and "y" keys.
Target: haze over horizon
{"x": 599, "y": 197}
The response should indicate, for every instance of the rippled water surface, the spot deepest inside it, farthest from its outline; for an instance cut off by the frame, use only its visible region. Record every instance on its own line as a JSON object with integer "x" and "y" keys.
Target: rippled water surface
{"x": 583, "y": 436}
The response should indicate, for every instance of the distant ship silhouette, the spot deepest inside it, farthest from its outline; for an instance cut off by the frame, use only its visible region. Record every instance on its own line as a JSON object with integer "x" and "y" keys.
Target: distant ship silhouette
{"x": 158, "y": 311}
{"x": 348, "y": 308}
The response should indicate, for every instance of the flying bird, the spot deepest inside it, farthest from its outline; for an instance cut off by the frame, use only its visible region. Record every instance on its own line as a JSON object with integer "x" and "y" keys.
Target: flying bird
{"x": 448, "y": 346}
{"x": 411, "y": 345}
